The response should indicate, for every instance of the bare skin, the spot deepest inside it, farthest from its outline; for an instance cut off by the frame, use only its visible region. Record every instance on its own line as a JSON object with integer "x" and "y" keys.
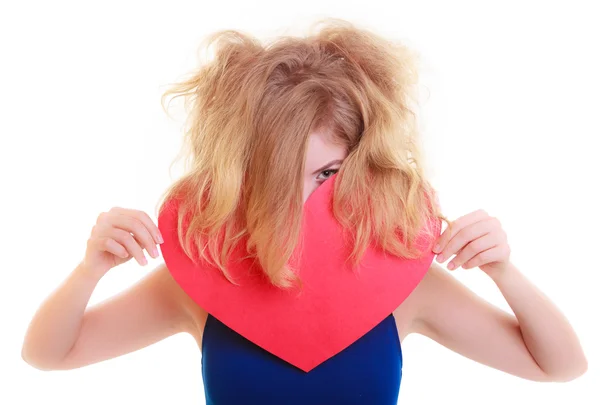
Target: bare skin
{"x": 534, "y": 342}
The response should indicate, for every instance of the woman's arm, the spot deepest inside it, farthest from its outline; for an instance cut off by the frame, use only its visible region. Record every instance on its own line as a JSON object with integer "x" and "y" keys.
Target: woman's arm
{"x": 536, "y": 343}
{"x": 65, "y": 334}
{"x": 546, "y": 332}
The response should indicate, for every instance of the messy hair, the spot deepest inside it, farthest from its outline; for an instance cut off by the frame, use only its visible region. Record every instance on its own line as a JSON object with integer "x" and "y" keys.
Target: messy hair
{"x": 251, "y": 108}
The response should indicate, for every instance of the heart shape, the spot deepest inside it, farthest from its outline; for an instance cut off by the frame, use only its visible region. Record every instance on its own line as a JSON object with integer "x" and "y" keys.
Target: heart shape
{"x": 336, "y": 305}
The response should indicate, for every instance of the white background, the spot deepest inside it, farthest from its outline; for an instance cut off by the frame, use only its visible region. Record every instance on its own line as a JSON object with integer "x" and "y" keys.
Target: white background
{"x": 510, "y": 124}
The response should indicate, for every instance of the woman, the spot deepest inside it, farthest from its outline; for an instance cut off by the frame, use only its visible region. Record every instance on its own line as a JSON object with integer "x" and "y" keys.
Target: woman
{"x": 276, "y": 133}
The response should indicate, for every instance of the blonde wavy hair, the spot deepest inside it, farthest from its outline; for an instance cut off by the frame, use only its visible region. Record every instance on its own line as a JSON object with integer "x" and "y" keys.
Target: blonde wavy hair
{"x": 251, "y": 108}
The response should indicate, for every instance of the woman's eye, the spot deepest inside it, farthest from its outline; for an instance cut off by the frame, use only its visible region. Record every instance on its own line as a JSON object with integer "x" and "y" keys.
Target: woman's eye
{"x": 325, "y": 174}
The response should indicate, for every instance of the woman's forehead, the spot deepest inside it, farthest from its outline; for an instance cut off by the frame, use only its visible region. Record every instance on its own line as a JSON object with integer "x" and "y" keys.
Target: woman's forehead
{"x": 322, "y": 149}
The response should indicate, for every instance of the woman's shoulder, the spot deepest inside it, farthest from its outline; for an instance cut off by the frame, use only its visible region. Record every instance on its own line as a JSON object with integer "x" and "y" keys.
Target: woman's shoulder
{"x": 425, "y": 294}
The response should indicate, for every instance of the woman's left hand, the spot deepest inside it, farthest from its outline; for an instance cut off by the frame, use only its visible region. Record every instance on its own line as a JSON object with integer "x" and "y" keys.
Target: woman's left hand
{"x": 478, "y": 240}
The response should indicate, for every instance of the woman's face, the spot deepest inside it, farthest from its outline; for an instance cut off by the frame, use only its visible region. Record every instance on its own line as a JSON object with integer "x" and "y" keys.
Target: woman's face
{"x": 323, "y": 159}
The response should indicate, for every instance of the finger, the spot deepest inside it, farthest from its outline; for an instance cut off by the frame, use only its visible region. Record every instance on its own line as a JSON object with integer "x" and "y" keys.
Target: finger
{"x": 484, "y": 257}
{"x": 127, "y": 240}
{"x": 109, "y": 245}
{"x": 137, "y": 228}
{"x": 456, "y": 226}
{"x": 472, "y": 249}
{"x": 463, "y": 237}
{"x": 147, "y": 244}
{"x": 145, "y": 219}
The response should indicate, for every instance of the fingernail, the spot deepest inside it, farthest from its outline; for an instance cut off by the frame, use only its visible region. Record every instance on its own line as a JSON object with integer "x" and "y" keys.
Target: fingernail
{"x": 440, "y": 258}
{"x": 144, "y": 261}
{"x": 160, "y": 238}
{"x": 451, "y": 266}
{"x": 436, "y": 249}
{"x": 154, "y": 252}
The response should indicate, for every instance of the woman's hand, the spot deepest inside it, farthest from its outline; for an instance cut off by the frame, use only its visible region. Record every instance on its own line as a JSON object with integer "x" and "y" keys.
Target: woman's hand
{"x": 478, "y": 240}
{"x": 537, "y": 343}
{"x": 119, "y": 235}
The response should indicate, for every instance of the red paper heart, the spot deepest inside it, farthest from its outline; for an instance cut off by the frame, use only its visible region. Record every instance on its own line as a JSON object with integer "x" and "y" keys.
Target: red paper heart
{"x": 334, "y": 308}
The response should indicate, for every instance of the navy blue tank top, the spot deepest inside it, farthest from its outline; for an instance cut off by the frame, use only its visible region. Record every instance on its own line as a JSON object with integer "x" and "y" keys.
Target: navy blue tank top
{"x": 236, "y": 371}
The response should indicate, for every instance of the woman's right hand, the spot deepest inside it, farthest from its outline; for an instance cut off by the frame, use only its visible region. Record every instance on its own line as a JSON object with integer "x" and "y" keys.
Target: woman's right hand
{"x": 119, "y": 235}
